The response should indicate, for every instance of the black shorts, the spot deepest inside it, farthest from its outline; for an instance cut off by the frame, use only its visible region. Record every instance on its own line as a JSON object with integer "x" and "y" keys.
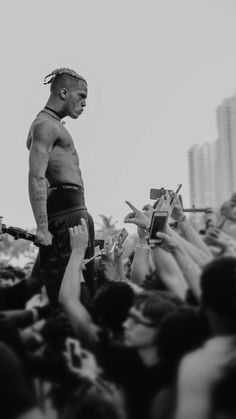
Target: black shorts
{"x": 66, "y": 207}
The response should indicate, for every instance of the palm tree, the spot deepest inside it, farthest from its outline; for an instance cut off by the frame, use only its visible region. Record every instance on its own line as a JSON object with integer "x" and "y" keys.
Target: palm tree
{"x": 107, "y": 228}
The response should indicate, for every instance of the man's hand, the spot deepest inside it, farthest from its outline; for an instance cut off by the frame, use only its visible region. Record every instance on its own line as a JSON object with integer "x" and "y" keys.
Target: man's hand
{"x": 169, "y": 243}
{"x": 137, "y": 217}
{"x": 109, "y": 268}
{"x": 43, "y": 237}
{"x": 79, "y": 236}
{"x": 118, "y": 252}
{"x": 177, "y": 213}
{"x": 212, "y": 238}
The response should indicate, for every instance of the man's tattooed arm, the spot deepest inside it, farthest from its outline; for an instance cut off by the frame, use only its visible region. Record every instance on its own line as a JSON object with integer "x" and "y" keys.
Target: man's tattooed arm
{"x": 37, "y": 183}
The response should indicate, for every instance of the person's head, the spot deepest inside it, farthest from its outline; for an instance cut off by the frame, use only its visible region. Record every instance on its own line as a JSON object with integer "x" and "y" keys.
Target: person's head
{"x": 111, "y": 304}
{"x": 68, "y": 92}
{"x": 180, "y": 332}
{"x": 218, "y": 287}
{"x": 142, "y": 324}
{"x": 225, "y": 209}
{"x": 97, "y": 400}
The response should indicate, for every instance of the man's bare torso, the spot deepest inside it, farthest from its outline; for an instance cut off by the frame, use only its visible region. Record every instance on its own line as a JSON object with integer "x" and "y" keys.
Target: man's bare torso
{"x": 63, "y": 164}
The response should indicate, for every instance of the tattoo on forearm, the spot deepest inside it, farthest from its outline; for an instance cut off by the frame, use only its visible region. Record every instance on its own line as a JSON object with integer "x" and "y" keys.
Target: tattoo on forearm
{"x": 38, "y": 195}
{"x": 42, "y": 219}
{"x": 41, "y": 195}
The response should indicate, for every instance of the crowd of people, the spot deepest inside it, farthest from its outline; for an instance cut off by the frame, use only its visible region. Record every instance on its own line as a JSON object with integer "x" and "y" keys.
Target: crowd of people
{"x": 155, "y": 339}
{"x": 88, "y": 334}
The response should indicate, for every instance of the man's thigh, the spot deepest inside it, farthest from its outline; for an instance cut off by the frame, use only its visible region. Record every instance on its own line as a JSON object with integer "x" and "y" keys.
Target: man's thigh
{"x": 54, "y": 259}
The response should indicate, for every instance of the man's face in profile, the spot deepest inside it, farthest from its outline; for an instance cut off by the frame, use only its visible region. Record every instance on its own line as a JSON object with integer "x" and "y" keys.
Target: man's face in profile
{"x": 76, "y": 100}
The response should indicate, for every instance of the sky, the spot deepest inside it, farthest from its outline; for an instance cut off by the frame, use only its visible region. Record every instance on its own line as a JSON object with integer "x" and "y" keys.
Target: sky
{"x": 156, "y": 72}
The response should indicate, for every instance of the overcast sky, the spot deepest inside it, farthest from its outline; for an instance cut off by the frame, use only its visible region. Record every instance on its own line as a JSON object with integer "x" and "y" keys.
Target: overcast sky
{"x": 156, "y": 72}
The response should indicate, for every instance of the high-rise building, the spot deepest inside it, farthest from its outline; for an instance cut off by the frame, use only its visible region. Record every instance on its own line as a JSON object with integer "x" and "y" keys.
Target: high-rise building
{"x": 202, "y": 175}
{"x": 226, "y": 149}
{"x": 212, "y": 166}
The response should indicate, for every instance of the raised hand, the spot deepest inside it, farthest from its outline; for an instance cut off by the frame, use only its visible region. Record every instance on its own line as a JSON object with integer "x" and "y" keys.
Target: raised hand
{"x": 169, "y": 243}
{"x": 177, "y": 213}
{"x": 137, "y": 217}
{"x": 118, "y": 252}
{"x": 79, "y": 236}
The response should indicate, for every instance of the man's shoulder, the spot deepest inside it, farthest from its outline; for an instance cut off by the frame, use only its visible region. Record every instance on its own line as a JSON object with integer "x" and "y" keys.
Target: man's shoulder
{"x": 44, "y": 129}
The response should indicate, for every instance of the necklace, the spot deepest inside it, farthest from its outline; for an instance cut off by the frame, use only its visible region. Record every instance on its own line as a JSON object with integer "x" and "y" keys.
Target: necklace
{"x": 52, "y": 113}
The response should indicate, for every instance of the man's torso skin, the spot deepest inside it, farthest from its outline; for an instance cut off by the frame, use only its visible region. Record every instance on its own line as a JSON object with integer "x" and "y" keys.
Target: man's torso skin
{"x": 63, "y": 165}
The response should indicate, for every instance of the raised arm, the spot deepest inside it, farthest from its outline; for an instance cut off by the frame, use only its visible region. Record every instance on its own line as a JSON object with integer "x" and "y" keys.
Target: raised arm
{"x": 189, "y": 268}
{"x": 43, "y": 138}
{"x": 199, "y": 257}
{"x": 169, "y": 271}
{"x": 69, "y": 295}
{"x": 189, "y": 233}
{"x": 140, "y": 266}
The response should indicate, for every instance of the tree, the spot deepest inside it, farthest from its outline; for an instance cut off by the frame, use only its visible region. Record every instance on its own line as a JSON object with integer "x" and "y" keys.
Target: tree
{"x": 107, "y": 227}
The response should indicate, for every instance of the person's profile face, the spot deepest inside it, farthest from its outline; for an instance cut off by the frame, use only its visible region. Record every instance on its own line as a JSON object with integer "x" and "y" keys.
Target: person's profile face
{"x": 139, "y": 331}
{"x": 76, "y": 100}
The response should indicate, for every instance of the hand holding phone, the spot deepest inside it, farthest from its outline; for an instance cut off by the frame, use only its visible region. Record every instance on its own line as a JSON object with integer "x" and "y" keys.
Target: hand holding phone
{"x": 158, "y": 225}
{"x": 73, "y": 353}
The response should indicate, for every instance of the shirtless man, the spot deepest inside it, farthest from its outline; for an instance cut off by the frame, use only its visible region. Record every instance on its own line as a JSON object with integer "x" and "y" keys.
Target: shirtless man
{"x": 56, "y": 189}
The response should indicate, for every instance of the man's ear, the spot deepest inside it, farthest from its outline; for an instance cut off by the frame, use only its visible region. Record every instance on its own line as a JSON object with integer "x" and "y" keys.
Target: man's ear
{"x": 63, "y": 93}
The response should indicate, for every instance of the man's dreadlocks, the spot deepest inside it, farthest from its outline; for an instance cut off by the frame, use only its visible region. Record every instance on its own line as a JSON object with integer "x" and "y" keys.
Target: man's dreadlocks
{"x": 60, "y": 72}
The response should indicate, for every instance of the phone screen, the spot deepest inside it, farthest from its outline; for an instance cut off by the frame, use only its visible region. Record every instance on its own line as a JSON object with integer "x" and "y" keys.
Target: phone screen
{"x": 158, "y": 225}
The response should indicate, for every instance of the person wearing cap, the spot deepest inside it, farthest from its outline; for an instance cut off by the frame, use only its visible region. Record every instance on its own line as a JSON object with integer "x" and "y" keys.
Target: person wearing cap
{"x": 55, "y": 183}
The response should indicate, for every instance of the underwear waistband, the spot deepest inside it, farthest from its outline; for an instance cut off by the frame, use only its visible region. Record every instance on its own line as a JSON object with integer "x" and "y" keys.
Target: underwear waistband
{"x": 64, "y": 186}
{"x": 65, "y": 197}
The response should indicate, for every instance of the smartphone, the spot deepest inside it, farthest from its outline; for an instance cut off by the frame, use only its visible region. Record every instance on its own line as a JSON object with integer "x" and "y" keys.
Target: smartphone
{"x": 74, "y": 349}
{"x": 158, "y": 224}
{"x": 121, "y": 237}
{"x": 157, "y": 193}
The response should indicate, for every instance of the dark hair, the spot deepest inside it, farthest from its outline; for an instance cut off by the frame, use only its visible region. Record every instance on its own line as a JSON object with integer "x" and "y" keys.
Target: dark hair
{"x": 218, "y": 285}
{"x": 181, "y": 332}
{"x": 223, "y": 393}
{"x": 156, "y": 304}
{"x": 112, "y": 303}
{"x": 92, "y": 401}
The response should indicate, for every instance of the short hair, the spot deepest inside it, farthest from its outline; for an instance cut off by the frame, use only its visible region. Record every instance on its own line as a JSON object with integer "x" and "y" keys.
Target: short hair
{"x": 182, "y": 331}
{"x": 218, "y": 286}
{"x": 112, "y": 303}
{"x": 93, "y": 400}
{"x": 62, "y": 71}
{"x": 155, "y": 305}
{"x": 61, "y": 76}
